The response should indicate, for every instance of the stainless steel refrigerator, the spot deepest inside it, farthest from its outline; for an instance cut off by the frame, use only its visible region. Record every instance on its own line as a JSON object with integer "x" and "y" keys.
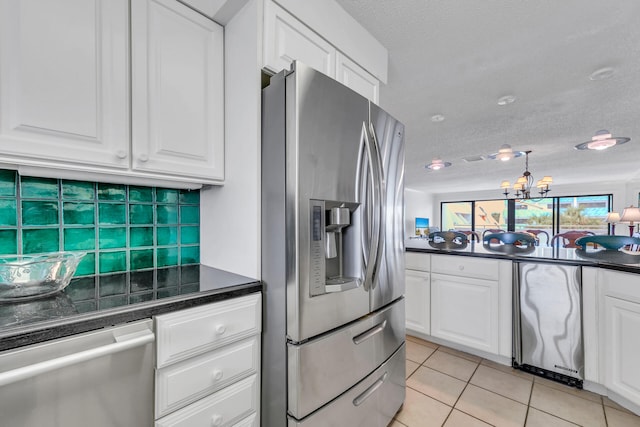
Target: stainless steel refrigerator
{"x": 332, "y": 255}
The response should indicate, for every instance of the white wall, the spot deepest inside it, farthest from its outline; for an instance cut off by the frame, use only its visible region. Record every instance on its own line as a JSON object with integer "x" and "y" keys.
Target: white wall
{"x": 230, "y": 215}
{"x": 416, "y": 204}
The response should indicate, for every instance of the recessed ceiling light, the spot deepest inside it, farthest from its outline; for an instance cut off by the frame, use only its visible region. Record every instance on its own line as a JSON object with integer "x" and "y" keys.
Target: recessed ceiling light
{"x": 601, "y": 141}
{"x": 437, "y": 118}
{"x": 507, "y": 99}
{"x": 505, "y": 153}
{"x": 602, "y": 74}
{"x": 437, "y": 164}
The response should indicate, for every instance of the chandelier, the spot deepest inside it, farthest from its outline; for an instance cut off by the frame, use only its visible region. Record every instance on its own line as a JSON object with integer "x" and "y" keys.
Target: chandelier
{"x": 524, "y": 183}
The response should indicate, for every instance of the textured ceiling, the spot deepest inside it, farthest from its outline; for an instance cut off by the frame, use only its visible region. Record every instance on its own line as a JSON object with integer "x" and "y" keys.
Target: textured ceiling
{"x": 456, "y": 58}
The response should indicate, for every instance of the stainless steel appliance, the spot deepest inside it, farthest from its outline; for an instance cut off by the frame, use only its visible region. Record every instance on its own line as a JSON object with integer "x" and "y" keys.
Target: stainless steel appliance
{"x": 332, "y": 255}
{"x": 102, "y": 378}
{"x": 548, "y": 321}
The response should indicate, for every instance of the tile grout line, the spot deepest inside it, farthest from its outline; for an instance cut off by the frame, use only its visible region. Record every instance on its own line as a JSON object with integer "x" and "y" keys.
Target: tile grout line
{"x": 526, "y": 416}
{"x": 459, "y": 396}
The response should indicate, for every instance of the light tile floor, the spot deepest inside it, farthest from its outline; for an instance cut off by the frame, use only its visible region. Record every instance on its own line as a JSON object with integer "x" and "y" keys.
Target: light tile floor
{"x": 446, "y": 387}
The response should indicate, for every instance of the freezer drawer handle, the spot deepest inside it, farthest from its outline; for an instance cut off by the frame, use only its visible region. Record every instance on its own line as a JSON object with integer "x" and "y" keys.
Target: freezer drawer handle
{"x": 368, "y": 392}
{"x": 122, "y": 343}
{"x": 371, "y": 332}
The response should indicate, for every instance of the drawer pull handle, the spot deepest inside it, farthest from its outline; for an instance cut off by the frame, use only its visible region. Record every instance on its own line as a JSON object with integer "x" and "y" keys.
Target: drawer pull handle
{"x": 121, "y": 154}
{"x": 216, "y": 420}
{"x": 143, "y": 157}
{"x": 217, "y": 374}
{"x": 221, "y": 329}
{"x": 369, "y": 333}
{"x": 368, "y": 392}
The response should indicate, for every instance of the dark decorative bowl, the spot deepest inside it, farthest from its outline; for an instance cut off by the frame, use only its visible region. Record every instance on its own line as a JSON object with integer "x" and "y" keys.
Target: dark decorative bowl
{"x": 608, "y": 242}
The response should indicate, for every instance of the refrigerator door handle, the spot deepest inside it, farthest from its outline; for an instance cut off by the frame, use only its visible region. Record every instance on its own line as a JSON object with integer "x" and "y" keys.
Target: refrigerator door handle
{"x": 375, "y": 193}
{"x": 372, "y": 389}
{"x": 381, "y": 202}
{"x": 370, "y": 333}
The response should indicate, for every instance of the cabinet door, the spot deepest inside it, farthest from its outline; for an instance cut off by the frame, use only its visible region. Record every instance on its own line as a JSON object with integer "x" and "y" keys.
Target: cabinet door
{"x": 418, "y": 301}
{"x": 622, "y": 347}
{"x": 64, "y": 82}
{"x": 465, "y": 310}
{"x": 286, "y": 39}
{"x": 355, "y": 77}
{"x": 177, "y": 91}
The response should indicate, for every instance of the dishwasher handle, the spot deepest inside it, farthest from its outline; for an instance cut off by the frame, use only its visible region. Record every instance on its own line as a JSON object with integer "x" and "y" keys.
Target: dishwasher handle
{"x": 124, "y": 342}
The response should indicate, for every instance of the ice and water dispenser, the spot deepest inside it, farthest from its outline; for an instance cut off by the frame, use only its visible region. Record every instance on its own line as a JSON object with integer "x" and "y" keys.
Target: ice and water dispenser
{"x": 335, "y": 255}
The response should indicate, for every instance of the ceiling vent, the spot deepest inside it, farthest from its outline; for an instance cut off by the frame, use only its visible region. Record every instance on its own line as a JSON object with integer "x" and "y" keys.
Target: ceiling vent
{"x": 473, "y": 159}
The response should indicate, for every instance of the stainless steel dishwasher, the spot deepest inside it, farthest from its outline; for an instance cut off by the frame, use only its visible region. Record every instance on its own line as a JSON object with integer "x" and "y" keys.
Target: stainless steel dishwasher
{"x": 547, "y": 314}
{"x": 102, "y": 378}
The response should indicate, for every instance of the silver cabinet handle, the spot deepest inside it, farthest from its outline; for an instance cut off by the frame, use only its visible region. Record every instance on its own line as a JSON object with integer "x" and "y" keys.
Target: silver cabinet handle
{"x": 369, "y": 333}
{"x": 128, "y": 342}
{"x": 372, "y": 389}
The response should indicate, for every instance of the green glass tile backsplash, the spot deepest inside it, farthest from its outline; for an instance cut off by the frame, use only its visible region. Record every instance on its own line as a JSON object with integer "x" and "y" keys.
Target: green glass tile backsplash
{"x": 122, "y": 228}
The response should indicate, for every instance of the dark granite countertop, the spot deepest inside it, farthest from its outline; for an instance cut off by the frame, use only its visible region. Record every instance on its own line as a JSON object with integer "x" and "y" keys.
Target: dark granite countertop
{"x": 614, "y": 260}
{"x": 94, "y": 302}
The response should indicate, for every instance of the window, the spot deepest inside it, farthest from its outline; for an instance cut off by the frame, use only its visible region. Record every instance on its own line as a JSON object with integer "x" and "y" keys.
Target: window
{"x": 584, "y": 213}
{"x": 457, "y": 216}
{"x": 550, "y": 215}
{"x": 490, "y": 215}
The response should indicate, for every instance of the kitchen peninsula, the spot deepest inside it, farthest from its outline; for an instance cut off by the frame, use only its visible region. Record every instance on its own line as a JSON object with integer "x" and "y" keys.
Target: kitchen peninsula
{"x": 464, "y": 298}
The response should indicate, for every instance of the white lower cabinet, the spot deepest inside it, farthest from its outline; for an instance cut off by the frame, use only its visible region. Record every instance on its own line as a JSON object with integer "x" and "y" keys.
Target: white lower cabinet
{"x": 208, "y": 365}
{"x": 465, "y": 310}
{"x": 619, "y": 340}
{"x": 622, "y": 323}
{"x": 418, "y": 293}
{"x": 460, "y": 300}
{"x": 418, "y": 301}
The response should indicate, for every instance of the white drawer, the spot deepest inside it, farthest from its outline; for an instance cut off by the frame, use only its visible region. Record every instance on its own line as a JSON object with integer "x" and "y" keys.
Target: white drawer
{"x": 620, "y": 284}
{"x": 197, "y": 330}
{"x": 417, "y": 261}
{"x": 251, "y": 421}
{"x": 466, "y": 266}
{"x": 227, "y": 407}
{"x": 185, "y": 382}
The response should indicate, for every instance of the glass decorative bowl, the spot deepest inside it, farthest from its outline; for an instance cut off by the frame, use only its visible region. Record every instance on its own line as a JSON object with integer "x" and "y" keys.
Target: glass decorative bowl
{"x": 24, "y": 277}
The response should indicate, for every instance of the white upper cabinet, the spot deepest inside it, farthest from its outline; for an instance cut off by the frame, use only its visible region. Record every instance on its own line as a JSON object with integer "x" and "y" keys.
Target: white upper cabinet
{"x": 206, "y": 7}
{"x": 66, "y": 91}
{"x": 177, "y": 96}
{"x": 64, "y": 82}
{"x": 288, "y": 37}
{"x": 357, "y": 78}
